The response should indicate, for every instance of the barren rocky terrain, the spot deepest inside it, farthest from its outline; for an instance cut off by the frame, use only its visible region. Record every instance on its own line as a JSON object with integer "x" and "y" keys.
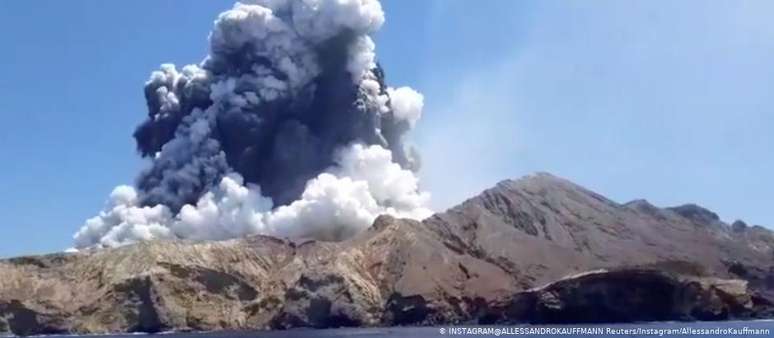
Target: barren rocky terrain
{"x": 539, "y": 249}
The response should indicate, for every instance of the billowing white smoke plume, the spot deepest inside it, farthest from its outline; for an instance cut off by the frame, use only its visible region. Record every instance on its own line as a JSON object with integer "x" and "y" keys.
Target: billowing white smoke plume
{"x": 286, "y": 128}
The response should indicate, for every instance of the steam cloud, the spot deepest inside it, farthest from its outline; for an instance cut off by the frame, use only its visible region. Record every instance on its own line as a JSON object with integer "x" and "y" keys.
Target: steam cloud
{"x": 286, "y": 128}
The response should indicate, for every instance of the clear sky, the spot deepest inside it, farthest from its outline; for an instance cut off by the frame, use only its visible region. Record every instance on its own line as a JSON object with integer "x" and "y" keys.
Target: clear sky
{"x": 665, "y": 100}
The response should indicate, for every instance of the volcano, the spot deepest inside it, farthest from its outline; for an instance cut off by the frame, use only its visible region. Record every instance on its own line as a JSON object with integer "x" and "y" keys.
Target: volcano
{"x": 539, "y": 249}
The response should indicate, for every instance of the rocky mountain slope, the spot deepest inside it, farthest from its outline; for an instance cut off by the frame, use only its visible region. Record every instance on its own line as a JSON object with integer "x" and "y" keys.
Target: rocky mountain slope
{"x": 538, "y": 249}
{"x": 541, "y": 228}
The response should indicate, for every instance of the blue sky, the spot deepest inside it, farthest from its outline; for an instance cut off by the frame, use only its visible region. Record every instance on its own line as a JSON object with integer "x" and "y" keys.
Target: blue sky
{"x": 665, "y": 100}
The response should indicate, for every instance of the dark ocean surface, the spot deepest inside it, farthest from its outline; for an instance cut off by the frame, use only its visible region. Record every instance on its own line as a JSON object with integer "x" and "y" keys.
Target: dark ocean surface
{"x": 671, "y": 329}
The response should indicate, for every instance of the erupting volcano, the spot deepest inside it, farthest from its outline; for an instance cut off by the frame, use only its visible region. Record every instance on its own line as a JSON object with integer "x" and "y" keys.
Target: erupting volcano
{"x": 286, "y": 128}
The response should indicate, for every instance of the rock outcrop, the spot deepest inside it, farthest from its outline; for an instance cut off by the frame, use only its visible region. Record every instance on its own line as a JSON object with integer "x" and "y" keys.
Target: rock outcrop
{"x": 504, "y": 256}
{"x": 629, "y": 295}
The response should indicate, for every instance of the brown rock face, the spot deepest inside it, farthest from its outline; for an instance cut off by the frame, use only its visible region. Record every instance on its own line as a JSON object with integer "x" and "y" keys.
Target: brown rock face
{"x": 503, "y": 256}
{"x": 541, "y": 228}
{"x": 611, "y": 296}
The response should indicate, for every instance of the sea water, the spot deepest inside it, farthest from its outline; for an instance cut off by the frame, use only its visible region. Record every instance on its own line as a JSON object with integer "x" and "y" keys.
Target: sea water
{"x": 762, "y": 328}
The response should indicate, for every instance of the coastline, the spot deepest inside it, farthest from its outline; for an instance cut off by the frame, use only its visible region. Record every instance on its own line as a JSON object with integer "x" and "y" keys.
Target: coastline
{"x": 430, "y": 331}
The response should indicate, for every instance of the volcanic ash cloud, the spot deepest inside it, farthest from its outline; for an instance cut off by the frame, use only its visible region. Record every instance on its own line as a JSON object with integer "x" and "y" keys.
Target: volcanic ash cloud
{"x": 286, "y": 128}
